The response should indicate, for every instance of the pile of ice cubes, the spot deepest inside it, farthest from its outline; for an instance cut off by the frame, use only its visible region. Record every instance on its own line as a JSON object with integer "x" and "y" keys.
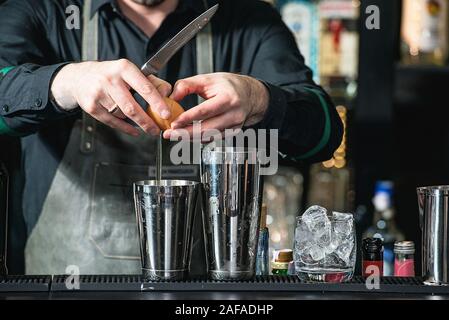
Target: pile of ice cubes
{"x": 324, "y": 241}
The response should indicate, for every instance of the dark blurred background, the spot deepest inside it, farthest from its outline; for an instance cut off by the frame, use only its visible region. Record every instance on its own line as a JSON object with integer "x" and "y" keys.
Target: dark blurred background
{"x": 391, "y": 95}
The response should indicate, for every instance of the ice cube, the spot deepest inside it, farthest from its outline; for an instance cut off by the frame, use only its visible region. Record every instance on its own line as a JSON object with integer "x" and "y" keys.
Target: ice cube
{"x": 303, "y": 234}
{"x": 324, "y": 239}
{"x": 333, "y": 244}
{"x": 304, "y": 259}
{"x": 332, "y": 261}
{"x": 303, "y": 246}
{"x": 317, "y": 253}
{"x": 342, "y": 216}
{"x": 345, "y": 250}
{"x": 342, "y": 223}
{"x": 315, "y": 218}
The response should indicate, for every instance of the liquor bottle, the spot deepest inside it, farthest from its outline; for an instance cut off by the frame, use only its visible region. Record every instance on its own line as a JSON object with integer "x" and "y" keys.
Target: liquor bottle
{"x": 331, "y": 181}
{"x": 424, "y": 32}
{"x": 338, "y": 52}
{"x": 384, "y": 226}
{"x": 262, "y": 259}
{"x": 372, "y": 256}
{"x": 282, "y": 194}
{"x": 281, "y": 266}
{"x": 301, "y": 16}
{"x": 3, "y": 217}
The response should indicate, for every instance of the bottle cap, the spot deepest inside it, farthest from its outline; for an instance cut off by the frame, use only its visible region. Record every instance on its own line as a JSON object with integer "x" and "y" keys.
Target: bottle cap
{"x": 372, "y": 245}
{"x": 263, "y": 217}
{"x": 404, "y": 247}
{"x": 383, "y": 195}
{"x": 384, "y": 186}
{"x": 285, "y": 255}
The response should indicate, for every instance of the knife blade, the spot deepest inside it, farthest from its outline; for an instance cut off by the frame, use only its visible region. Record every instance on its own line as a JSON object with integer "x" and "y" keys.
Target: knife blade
{"x": 160, "y": 59}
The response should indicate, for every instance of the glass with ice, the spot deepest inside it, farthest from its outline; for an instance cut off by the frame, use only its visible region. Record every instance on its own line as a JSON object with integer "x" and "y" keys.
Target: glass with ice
{"x": 325, "y": 246}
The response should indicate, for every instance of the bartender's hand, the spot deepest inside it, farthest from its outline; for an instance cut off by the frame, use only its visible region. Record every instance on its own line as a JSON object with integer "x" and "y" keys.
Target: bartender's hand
{"x": 99, "y": 86}
{"x": 232, "y": 101}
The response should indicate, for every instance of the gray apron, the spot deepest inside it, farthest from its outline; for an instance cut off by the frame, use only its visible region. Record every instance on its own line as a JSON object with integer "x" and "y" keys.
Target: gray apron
{"x": 88, "y": 219}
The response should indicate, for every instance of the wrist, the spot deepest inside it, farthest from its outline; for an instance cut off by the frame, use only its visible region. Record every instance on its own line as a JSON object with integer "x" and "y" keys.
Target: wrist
{"x": 259, "y": 98}
{"x": 61, "y": 89}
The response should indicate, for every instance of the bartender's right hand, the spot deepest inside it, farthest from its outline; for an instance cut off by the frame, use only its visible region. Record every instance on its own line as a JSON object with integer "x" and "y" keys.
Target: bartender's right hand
{"x": 98, "y": 87}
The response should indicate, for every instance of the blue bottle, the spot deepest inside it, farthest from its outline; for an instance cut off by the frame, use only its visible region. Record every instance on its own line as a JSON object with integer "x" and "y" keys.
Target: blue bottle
{"x": 262, "y": 259}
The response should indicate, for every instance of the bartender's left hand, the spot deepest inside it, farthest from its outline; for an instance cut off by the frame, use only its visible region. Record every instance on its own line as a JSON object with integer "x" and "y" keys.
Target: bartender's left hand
{"x": 231, "y": 101}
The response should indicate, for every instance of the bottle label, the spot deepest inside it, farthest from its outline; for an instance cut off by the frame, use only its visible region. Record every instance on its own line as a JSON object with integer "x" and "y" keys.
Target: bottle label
{"x": 368, "y": 268}
{"x": 404, "y": 268}
{"x": 302, "y": 20}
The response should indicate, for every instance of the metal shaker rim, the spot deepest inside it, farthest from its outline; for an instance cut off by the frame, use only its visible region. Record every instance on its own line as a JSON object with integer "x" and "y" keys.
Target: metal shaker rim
{"x": 223, "y": 154}
{"x": 442, "y": 190}
{"x": 166, "y": 183}
{"x": 166, "y": 187}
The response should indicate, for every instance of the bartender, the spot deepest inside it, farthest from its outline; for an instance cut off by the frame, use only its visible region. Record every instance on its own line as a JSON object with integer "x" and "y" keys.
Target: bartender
{"x": 60, "y": 86}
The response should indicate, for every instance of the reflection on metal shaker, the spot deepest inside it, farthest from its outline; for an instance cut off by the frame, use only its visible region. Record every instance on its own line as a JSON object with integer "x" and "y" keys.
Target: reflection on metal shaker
{"x": 231, "y": 211}
{"x": 165, "y": 211}
{"x": 433, "y": 205}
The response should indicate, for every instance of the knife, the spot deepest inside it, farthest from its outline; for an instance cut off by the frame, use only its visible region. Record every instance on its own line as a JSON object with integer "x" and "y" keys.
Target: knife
{"x": 160, "y": 59}
{"x": 164, "y": 54}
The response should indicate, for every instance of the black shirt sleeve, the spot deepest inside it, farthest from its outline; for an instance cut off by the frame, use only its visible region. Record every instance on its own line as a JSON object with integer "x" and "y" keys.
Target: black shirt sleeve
{"x": 25, "y": 75}
{"x": 308, "y": 123}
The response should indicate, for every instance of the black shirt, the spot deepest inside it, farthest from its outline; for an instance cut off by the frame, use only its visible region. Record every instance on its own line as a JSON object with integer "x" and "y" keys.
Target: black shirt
{"x": 249, "y": 38}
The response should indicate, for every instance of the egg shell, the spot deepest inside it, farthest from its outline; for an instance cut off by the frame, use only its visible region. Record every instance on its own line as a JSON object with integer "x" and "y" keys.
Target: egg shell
{"x": 175, "y": 111}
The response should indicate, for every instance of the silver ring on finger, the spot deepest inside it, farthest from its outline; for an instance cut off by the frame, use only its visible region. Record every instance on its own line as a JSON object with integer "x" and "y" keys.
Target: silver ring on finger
{"x": 114, "y": 109}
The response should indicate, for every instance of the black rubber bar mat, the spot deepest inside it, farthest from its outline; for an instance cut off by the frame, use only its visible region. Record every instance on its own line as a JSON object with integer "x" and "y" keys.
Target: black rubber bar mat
{"x": 25, "y": 283}
{"x": 263, "y": 283}
{"x": 98, "y": 283}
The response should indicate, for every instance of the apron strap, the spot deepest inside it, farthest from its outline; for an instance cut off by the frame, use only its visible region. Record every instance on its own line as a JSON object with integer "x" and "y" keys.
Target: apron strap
{"x": 204, "y": 64}
{"x": 89, "y": 52}
{"x": 204, "y": 50}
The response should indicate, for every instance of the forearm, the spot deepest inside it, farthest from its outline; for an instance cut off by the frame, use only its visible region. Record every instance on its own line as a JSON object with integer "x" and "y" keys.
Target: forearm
{"x": 308, "y": 123}
{"x": 309, "y": 127}
{"x": 25, "y": 100}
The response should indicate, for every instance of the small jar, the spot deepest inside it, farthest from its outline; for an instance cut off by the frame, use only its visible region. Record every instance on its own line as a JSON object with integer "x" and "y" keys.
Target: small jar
{"x": 282, "y": 262}
{"x": 404, "y": 259}
{"x": 372, "y": 256}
